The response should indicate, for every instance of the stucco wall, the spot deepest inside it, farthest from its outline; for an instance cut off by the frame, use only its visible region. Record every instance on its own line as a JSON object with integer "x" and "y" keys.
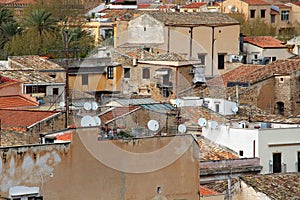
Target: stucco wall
{"x": 29, "y": 165}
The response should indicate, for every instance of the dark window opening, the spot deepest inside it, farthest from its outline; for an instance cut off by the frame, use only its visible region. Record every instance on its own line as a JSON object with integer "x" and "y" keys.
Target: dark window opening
{"x": 85, "y": 79}
{"x": 298, "y": 161}
{"x": 280, "y": 108}
{"x": 55, "y": 91}
{"x": 274, "y": 58}
{"x": 272, "y": 18}
{"x": 241, "y": 153}
{"x": 276, "y": 162}
{"x": 221, "y": 64}
{"x": 285, "y": 15}
{"x": 262, "y": 13}
{"x": 217, "y": 107}
{"x": 52, "y": 75}
{"x": 201, "y": 57}
{"x": 126, "y": 72}
{"x": 146, "y": 73}
{"x": 252, "y": 13}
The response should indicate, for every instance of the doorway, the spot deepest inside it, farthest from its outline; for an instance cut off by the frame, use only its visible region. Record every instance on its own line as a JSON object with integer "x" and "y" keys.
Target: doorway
{"x": 276, "y": 162}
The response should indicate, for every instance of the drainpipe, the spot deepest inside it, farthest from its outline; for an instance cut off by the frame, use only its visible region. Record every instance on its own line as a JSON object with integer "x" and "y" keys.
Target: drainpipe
{"x": 212, "y": 50}
{"x": 191, "y": 41}
{"x": 168, "y": 44}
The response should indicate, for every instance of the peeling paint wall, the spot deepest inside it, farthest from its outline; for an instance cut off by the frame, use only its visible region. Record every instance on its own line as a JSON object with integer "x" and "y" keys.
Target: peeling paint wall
{"x": 29, "y": 165}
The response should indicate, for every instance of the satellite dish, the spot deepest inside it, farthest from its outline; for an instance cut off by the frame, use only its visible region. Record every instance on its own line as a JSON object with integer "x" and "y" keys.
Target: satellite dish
{"x": 62, "y": 104}
{"x": 94, "y": 105}
{"x": 229, "y": 7}
{"x": 234, "y": 109}
{"x": 87, "y": 106}
{"x": 213, "y": 124}
{"x": 88, "y": 121}
{"x": 153, "y": 125}
{"x": 182, "y": 128}
{"x": 202, "y": 122}
{"x": 97, "y": 120}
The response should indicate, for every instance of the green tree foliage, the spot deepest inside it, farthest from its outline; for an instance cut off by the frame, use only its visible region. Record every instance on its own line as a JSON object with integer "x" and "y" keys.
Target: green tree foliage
{"x": 41, "y": 34}
{"x": 8, "y": 27}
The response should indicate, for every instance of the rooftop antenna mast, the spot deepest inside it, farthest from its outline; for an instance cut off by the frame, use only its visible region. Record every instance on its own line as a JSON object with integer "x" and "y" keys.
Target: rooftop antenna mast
{"x": 67, "y": 79}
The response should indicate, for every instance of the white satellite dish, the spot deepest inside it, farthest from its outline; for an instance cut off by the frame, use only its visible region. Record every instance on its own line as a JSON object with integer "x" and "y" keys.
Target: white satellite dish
{"x": 97, "y": 120}
{"x": 234, "y": 109}
{"x": 153, "y": 125}
{"x": 94, "y": 105}
{"x": 182, "y": 128}
{"x": 202, "y": 122}
{"x": 214, "y": 124}
{"x": 230, "y": 7}
{"x": 88, "y": 121}
{"x": 62, "y": 104}
{"x": 87, "y": 106}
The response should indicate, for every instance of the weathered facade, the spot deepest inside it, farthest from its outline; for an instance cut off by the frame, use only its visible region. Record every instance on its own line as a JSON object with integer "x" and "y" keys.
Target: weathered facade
{"x": 74, "y": 171}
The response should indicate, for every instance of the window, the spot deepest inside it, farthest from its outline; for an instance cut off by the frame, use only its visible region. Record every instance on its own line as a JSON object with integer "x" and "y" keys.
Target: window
{"x": 272, "y": 18}
{"x": 126, "y": 72}
{"x": 262, "y": 13}
{"x": 146, "y": 73}
{"x": 221, "y": 64}
{"x": 255, "y": 56}
{"x": 285, "y": 15}
{"x": 241, "y": 153}
{"x": 252, "y": 13}
{"x": 273, "y": 58}
{"x": 276, "y": 162}
{"x": 201, "y": 57}
{"x": 55, "y": 91}
{"x": 110, "y": 72}
{"x": 217, "y": 106}
{"x": 85, "y": 79}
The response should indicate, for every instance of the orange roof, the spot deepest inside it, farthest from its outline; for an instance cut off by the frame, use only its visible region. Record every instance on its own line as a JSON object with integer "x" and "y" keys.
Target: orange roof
{"x": 256, "y": 2}
{"x": 264, "y": 42}
{"x": 16, "y": 101}
{"x": 143, "y": 6}
{"x": 296, "y": 3}
{"x": 282, "y": 6}
{"x": 256, "y": 73}
{"x": 194, "y": 5}
{"x": 206, "y": 191}
{"x": 22, "y": 118}
{"x": 64, "y": 137}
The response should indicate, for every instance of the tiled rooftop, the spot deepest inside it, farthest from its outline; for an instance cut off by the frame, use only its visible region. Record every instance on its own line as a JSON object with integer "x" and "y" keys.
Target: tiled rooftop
{"x": 22, "y": 118}
{"x": 17, "y": 101}
{"x": 168, "y": 56}
{"x": 210, "y": 151}
{"x": 256, "y": 73}
{"x": 256, "y": 2}
{"x": 17, "y": 2}
{"x": 115, "y": 112}
{"x": 193, "y": 18}
{"x": 220, "y": 186}
{"x": 282, "y": 6}
{"x": 33, "y": 63}
{"x": 264, "y": 42}
{"x": 27, "y": 76}
{"x": 191, "y": 115}
{"x": 194, "y": 5}
{"x": 276, "y": 186}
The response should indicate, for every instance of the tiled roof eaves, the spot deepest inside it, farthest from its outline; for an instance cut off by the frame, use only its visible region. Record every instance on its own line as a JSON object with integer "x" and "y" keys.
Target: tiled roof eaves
{"x": 266, "y": 47}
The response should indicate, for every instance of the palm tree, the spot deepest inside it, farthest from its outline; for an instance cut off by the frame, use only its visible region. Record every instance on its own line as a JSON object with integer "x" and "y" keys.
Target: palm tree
{"x": 40, "y": 20}
{"x": 7, "y": 31}
{"x": 5, "y": 15}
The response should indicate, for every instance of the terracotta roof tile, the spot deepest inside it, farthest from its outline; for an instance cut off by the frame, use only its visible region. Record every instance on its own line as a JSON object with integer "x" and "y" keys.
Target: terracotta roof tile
{"x": 32, "y": 62}
{"x": 20, "y": 118}
{"x": 166, "y": 6}
{"x": 220, "y": 186}
{"x": 296, "y": 3}
{"x": 194, "y": 5}
{"x": 16, "y": 102}
{"x": 27, "y": 76}
{"x": 256, "y": 73}
{"x": 256, "y": 2}
{"x": 116, "y": 112}
{"x": 264, "y": 42}
{"x": 276, "y": 186}
{"x": 206, "y": 191}
{"x": 210, "y": 151}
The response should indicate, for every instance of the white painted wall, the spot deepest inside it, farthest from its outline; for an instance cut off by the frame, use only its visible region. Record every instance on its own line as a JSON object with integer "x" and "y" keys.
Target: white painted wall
{"x": 234, "y": 138}
{"x": 287, "y": 142}
{"x": 225, "y": 106}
